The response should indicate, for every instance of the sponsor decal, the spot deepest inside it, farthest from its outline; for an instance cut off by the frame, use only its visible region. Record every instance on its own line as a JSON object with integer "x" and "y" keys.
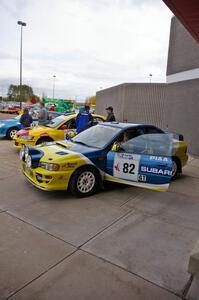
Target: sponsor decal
{"x": 142, "y": 178}
{"x": 70, "y": 165}
{"x": 117, "y": 168}
{"x": 125, "y": 155}
{"x": 158, "y": 158}
{"x": 156, "y": 171}
{"x": 126, "y": 166}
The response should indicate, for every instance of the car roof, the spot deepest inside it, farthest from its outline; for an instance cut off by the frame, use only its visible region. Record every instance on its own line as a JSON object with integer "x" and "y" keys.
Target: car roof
{"x": 126, "y": 125}
{"x": 114, "y": 124}
{"x": 75, "y": 114}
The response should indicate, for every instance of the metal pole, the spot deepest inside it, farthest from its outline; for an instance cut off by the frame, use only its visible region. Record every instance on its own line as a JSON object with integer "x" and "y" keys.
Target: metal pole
{"x": 20, "y": 75}
{"x": 54, "y": 86}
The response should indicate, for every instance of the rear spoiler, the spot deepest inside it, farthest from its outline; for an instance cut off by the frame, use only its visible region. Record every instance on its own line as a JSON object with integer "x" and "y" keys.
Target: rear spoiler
{"x": 175, "y": 135}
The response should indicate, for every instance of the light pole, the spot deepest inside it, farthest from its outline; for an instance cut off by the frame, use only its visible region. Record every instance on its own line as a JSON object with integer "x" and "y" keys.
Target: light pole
{"x": 22, "y": 24}
{"x": 150, "y": 77}
{"x": 54, "y": 86}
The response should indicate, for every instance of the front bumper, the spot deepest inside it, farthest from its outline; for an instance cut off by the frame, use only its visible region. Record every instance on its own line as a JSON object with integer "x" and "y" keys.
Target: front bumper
{"x": 40, "y": 178}
{"x": 184, "y": 160}
{"x": 18, "y": 143}
{"x": 2, "y": 136}
{"x": 3, "y": 132}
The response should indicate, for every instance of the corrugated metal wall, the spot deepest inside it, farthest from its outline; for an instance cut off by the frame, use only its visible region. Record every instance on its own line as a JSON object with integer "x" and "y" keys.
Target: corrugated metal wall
{"x": 135, "y": 102}
{"x": 175, "y": 106}
{"x": 111, "y": 97}
{"x": 183, "y": 51}
{"x": 182, "y": 111}
{"x": 144, "y": 103}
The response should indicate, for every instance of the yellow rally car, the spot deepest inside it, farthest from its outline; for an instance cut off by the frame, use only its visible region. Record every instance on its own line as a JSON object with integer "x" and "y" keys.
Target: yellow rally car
{"x": 57, "y": 129}
{"x": 133, "y": 154}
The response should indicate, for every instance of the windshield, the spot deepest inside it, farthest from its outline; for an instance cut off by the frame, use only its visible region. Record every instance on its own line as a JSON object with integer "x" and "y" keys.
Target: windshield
{"x": 57, "y": 121}
{"x": 97, "y": 136}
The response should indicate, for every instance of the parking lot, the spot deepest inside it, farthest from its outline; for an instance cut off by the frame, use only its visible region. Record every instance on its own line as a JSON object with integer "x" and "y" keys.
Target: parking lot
{"x": 122, "y": 243}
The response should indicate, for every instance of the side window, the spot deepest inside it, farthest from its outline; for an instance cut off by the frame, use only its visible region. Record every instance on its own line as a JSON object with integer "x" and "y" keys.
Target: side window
{"x": 151, "y": 130}
{"x": 131, "y": 134}
{"x": 149, "y": 144}
{"x": 124, "y": 141}
{"x": 71, "y": 124}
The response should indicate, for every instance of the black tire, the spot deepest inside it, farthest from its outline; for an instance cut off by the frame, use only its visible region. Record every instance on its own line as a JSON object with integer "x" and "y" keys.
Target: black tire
{"x": 176, "y": 168}
{"x": 44, "y": 140}
{"x": 11, "y": 133}
{"x": 92, "y": 180}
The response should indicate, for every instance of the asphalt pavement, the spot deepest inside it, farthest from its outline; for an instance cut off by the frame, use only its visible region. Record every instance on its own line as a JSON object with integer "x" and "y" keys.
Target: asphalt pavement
{"x": 122, "y": 243}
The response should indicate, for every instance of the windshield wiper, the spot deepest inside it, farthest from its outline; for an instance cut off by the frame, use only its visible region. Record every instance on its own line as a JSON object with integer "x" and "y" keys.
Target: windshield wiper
{"x": 81, "y": 143}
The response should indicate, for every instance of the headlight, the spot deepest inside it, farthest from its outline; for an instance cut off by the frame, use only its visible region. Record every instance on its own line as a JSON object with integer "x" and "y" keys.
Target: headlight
{"x": 26, "y": 137}
{"x": 26, "y": 151}
{"x": 22, "y": 153}
{"x": 2, "y": 124}
{"x": 29, "y": 161}
{"x": 49, "y": 167}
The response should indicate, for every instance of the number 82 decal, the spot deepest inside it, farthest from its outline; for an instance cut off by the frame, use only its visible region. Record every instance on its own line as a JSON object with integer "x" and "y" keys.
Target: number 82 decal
{"x": 126, "y": 166}
{"x": 129, "y": 168}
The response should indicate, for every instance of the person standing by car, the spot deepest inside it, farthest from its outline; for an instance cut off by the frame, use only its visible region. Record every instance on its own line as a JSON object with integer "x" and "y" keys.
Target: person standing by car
{"x": 43, "y": 114}
{"x": 110, "y": 114}
{"x": 26, "y": 118}
{"x": 84, "y": 119}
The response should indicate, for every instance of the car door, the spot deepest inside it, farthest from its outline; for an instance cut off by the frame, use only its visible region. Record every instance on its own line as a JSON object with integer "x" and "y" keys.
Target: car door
{"x": 64, "y": 128}
{"x": 71, "y": 127}
{"x": 144, "y": 161}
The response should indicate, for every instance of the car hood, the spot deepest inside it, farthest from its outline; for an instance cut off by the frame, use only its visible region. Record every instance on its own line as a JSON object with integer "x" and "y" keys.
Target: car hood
{"x": 9, "y": 121}
{"x": 68, "y": 147}
{"x": 33, "y": 131}
{"x": 61, "y": 150}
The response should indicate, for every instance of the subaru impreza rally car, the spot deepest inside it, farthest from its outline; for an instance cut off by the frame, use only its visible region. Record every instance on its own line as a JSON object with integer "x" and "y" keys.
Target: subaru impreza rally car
{"x": 57, "y": 129}
{"x": 149, "y": 158}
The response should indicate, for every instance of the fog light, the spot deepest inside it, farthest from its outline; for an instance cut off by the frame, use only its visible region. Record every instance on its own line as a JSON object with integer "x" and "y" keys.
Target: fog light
{"x": 26, "y": 151}
{"x": 48, "y": 177}
{"x": 28, "y": 161}
{"x": 22, "y": 153}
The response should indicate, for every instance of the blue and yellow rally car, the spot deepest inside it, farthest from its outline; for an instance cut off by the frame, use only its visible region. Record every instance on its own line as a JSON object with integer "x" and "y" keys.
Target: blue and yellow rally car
{"x": 133, "y": 154}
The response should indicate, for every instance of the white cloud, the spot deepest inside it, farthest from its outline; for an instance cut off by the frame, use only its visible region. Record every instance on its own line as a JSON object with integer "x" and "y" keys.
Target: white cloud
{"x": 87, "y": 44}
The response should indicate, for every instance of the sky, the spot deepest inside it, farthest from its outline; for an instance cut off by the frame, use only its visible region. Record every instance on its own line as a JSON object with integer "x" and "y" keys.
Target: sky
{"x": 87, "y": 44}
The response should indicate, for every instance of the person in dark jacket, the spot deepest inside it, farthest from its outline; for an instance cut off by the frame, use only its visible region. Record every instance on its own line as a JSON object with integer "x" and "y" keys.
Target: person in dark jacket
{"x": 84, "y": 119}
{"x": 43, "y": 114}
{"x": 110, "y": 114}
{"x": 26, "y": 118}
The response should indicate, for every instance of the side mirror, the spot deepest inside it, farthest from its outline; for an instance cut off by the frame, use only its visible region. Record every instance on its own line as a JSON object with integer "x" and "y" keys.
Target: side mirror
{"x": 70, "y": 135}
{"x": 115, "y": 147}
{"x": 63, "y": 127}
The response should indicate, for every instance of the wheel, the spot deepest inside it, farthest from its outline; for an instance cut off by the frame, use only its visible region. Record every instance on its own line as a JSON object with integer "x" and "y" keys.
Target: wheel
{"x": 85, "y": 182}
{"x": 11, "y": 133}
{"x": 175, "y": 169}
{"x": 44, "y": 140}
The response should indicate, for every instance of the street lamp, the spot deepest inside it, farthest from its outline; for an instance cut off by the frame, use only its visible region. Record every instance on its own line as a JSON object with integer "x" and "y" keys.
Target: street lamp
{"x": 150, "y": 76}
{"x": 22, "y": 24}
{"x": 54, "y": 86}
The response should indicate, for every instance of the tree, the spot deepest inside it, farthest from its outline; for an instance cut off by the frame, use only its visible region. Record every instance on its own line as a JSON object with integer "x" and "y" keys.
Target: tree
{"x": 34, "y": 99}
{"x": 91, "y": 101}
{"x": 14, "y": 92}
